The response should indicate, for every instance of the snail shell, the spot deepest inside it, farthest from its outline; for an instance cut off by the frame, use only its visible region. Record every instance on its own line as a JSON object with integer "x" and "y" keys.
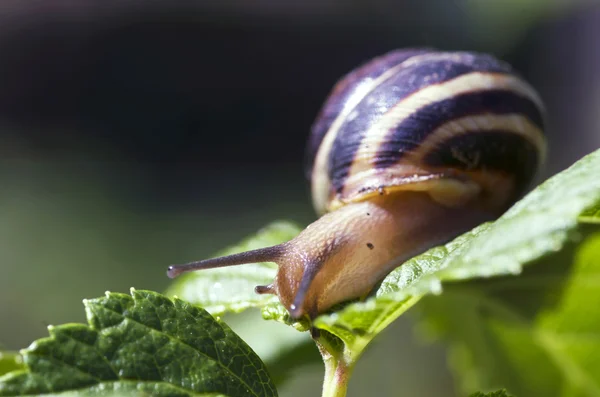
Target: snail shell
{"x": 409, "y": 150}
{"x": 414, "y": 115}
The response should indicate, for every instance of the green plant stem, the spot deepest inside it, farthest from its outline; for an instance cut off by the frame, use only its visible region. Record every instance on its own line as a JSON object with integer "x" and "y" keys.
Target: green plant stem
{"x": 337, "y": 375}
{"x": 338, "y": 369}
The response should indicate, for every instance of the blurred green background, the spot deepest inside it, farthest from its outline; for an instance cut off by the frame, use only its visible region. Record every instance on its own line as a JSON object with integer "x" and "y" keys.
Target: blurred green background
{"x": 134, "y": 135}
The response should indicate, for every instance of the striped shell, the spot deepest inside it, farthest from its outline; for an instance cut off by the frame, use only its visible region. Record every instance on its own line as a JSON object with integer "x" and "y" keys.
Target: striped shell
{"x": 414, "y": 119}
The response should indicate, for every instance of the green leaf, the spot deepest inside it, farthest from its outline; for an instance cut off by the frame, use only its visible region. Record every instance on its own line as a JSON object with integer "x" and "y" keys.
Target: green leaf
{"x": 144, "y": 343}
{"x": 551, "y": 350}
{"x": 498, "y": 393}
{"x": 570, "y": 331}
{"x": 232, "y": 289}
{"x": 10, "y": 361}
{"x": 591, "y": 215}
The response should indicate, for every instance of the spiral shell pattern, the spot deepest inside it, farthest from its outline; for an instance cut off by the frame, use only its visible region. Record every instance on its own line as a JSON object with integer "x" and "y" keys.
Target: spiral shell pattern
{"x": 416, "y": 116}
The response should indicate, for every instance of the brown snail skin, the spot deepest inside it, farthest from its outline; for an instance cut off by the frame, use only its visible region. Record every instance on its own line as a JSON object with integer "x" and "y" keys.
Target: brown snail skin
{"x": 409, "y": 150}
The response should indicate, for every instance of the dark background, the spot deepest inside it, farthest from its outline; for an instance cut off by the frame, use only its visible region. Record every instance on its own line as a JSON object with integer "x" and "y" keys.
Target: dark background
{"x": 138, "y": 134}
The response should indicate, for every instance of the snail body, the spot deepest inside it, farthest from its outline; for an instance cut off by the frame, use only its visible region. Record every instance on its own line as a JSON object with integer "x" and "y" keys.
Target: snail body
{"x": 409, "y": 150}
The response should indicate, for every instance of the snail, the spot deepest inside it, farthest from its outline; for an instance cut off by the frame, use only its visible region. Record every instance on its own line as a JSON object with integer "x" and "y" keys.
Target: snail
{"x": 409, "y": 150}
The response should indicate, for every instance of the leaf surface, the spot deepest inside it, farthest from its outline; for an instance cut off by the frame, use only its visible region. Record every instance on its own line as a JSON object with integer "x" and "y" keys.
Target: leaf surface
{"x": 10, "y": 361}
{"x": 144, "y": 343}
{"x": 591, "y": 215}
{"x": 551, "y": 350}
{"x": 498, "y": 393}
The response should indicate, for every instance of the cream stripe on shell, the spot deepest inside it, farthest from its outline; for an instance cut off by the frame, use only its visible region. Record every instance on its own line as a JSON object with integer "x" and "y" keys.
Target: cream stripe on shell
{"x": 471, "y": 82}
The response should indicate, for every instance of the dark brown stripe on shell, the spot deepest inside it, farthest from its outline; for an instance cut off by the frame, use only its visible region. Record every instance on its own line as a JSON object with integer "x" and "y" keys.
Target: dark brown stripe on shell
{"x": 344, "y": 89}
{"x": 497, "y": 151}
{"x": 418, "y": 126}
{"x": 407, "y": 81}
